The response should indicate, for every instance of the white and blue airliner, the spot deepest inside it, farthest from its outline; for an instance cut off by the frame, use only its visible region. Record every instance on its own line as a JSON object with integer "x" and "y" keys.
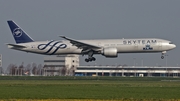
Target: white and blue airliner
{"x": 106, "y": 47}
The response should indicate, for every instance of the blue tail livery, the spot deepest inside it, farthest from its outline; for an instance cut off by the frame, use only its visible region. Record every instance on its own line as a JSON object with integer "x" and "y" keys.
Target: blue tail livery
{"x": 19, "y": 35}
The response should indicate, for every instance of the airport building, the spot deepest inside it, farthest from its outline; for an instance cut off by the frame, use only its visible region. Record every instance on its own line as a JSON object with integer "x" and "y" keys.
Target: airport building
{"x": 60, "y": 65}
{"x": 131, "y": 71}
{"x": 68, "y": 65}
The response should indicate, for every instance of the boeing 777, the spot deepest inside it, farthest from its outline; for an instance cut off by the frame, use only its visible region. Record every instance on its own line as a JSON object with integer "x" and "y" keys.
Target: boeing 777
{"x": 106, "y": 47}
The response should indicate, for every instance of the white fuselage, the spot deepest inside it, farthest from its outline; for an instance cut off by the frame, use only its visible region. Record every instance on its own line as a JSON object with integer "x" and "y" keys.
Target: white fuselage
{"x": 122, "y": 46}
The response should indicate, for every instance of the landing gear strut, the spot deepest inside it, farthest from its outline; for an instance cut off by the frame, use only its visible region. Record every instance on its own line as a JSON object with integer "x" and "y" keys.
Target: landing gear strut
{"x": 162, "y": 56}
{"x": 90, "y": 57}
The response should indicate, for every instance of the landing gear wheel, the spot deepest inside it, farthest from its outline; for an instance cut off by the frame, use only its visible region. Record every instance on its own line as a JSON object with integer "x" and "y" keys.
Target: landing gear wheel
{"x": 87, "y": 60}
{"x": 93, "y": 59}
{"x": 90, "y": 56}
{"x": 162, "y": 55}
{"x": 90, "y": 59}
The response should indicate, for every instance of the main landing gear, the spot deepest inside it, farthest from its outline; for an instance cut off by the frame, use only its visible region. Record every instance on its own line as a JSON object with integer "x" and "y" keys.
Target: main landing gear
{"x": 90, "y": 57}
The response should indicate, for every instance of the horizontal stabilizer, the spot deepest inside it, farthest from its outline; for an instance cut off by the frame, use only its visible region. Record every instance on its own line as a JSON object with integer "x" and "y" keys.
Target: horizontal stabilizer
{"x": 17, "y": 46}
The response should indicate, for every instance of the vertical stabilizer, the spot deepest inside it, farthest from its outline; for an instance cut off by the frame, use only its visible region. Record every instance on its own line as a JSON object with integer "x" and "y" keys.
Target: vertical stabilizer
{"x": 19, "y": 35}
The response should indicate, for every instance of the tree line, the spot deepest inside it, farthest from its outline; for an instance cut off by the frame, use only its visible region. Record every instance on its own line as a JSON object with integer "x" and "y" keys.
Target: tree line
{"x": 37, "y": 70}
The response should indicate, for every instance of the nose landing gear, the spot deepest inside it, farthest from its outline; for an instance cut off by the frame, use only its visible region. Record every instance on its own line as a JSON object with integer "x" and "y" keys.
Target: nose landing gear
{"x": 162, "y": 56}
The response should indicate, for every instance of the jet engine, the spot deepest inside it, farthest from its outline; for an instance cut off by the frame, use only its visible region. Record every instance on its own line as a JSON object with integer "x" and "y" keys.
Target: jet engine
{"x": 109, "y": 52}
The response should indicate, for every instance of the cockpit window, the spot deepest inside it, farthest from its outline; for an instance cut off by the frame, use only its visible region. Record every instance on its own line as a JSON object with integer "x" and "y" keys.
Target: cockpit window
{"x": 170, "y": 43}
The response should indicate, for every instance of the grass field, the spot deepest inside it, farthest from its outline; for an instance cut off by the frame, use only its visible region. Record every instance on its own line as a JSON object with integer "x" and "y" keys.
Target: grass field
{"x": 89, "y": 88}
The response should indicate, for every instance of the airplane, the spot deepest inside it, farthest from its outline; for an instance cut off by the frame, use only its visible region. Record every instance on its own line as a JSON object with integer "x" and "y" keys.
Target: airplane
{"x": 106, "y": 47}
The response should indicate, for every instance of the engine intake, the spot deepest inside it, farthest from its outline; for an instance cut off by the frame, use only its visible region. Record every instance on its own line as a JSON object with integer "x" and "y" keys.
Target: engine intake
{"x": 109, "y": 52}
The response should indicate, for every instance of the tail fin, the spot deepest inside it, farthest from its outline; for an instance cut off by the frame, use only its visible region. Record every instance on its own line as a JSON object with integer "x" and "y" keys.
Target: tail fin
{"x": 19, "y": 35}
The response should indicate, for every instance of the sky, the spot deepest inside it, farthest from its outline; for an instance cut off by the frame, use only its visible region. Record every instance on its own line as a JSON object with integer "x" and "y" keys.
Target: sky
{"x": 92, "y": 19}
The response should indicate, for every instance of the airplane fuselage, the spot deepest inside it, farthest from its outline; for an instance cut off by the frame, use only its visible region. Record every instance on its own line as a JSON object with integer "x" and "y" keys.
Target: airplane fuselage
{"x": 122, "y": 45}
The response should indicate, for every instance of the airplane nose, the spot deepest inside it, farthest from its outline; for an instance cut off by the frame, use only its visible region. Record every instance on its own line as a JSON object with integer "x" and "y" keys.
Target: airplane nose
{"x": 173, "y": 46}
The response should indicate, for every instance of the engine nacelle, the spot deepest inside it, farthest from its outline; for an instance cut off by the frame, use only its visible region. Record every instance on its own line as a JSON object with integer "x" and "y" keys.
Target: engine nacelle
{"x": 109, "y": 52}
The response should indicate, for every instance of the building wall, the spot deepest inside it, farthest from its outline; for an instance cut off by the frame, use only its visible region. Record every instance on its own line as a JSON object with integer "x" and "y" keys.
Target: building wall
{"x": 71, "y": 61}
{"x": 127, "y": 71}
{"x": 60, "y": 65}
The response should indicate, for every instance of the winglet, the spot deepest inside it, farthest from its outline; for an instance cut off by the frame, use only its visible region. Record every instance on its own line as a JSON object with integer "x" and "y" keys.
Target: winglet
{"x": 67, "y": 38}
{"x": 62, "y": 36}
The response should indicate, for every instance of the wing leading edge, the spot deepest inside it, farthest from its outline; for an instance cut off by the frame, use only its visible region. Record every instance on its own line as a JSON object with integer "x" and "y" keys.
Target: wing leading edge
{"x": 82, "y": 45}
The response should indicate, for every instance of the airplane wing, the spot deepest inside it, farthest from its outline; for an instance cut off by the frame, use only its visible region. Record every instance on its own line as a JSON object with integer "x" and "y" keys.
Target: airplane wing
{"x": 81, "y": 45}
{"x": 17, "y": 46}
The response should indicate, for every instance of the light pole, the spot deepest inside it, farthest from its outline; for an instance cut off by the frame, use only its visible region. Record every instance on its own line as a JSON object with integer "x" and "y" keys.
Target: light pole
{"x": 166, "y": 64}
{"x": 142, "y": 62}
{"x": 166, "y": 59}
{"x": 0, "y": 70}
{"x": 134, "y": 61}
{"x": 157, "y": 64}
